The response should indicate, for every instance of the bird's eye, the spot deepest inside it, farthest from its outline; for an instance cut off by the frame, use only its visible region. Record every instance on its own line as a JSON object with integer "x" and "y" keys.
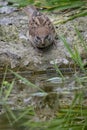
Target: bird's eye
{"x": 38, "y": 38}
{"x": 47, "y": 37}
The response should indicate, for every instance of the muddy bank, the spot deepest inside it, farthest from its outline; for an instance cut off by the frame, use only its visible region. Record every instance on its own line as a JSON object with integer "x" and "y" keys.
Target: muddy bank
{"x": 16, "y": 51}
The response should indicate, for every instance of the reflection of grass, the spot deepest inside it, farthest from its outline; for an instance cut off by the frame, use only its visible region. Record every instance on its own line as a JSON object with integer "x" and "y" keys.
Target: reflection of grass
{"x": 73, "y": 117}
{"x": 5, "y": 91}
{"x": 28, "y": 83}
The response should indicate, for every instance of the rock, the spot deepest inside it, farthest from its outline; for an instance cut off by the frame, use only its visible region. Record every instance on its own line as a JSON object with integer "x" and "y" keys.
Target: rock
{"x": 17, "y": 51}
{"x": 7, "y": 9}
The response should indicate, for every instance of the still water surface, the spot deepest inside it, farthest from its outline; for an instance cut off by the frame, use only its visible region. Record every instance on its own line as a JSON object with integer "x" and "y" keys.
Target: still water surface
{"x": 49, "y": 82}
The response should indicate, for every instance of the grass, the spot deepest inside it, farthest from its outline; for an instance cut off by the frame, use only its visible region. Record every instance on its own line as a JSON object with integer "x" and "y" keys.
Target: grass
{"x": 83, "y": 43}
{"x": 4, "y": 94}
{"x": 52, "y": 4}
{"x": 58, "y": 5}
{"x": 74, "y": 53}
{"x": 76, "y": 15}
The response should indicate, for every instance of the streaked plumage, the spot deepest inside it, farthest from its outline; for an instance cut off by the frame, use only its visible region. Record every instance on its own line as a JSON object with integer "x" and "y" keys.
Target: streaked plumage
{"x": 41, "y": 29}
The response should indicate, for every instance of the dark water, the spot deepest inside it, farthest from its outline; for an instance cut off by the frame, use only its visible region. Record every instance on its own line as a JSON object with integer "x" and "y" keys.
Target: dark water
{"x": 6, "y": 125}
{"x": 49, "y": 82}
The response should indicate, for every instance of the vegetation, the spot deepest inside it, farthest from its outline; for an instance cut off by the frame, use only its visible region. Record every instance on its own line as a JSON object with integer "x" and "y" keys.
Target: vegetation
{"x": 52, "y": 4}
{"x": 58, "y": 5}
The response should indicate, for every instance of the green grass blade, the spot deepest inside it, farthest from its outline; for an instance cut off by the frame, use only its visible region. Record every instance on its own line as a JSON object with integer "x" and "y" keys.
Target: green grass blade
{"x": 81, "y": 38}
{"x": 3, "y": 80}
{"x": 9, "y": 90}
{"x": 74, "y": 53}
{"x": 28, "y": 83}
{"x": 58, "y": 71}
{"x": 9, "y": 112}
{"x": 67, "y": 47}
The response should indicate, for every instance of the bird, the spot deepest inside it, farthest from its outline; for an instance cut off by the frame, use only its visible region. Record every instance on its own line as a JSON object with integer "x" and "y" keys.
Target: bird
{"x": 41, "y": 30}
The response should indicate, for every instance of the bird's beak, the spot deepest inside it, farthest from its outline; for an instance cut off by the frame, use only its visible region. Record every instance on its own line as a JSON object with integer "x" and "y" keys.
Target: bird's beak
{"x": 42, "y": 41}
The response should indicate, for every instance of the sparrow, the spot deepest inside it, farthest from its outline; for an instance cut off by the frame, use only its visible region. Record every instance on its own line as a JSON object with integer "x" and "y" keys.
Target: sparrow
{"x": 41, "y": 30}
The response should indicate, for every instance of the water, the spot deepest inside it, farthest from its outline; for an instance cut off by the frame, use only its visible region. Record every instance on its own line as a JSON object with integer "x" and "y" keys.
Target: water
{"x": 6, "y": 125}
{"x": 51, "y": 83}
